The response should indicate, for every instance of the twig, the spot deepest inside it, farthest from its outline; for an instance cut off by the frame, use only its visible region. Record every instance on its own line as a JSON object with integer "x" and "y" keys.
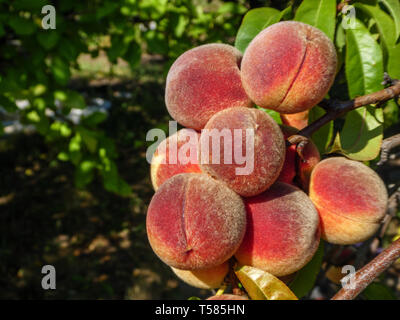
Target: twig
{"x": 369, "y": 272}
{"x": 336, "y": 108}
{"x": 388, "y": 145}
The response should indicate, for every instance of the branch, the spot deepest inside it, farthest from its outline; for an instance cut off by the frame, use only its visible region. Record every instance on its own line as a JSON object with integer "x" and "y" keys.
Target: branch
{"x": 371, "y": 271}
{"x": 336, "y": 108}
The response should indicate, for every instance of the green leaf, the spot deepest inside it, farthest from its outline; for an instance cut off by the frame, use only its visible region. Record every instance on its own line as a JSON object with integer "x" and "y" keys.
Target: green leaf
{"x": 385, "y": 25}
{"x": 394, "y": 9}
{"x": 194, "y": 298}
{"x": 90, "y": 138}
{"x": 253, "y": 22}
{"x": 305, "y": 277}
{"x": 94, "y": 119}
{"x": 74, "y": 100}
{"x": 378, "y": 291}
{"x": 113, "y": 182}
{"x": 60, "y": 70}
{"x": 318, "y": 13}
{"x": 322, "y": 137}
{"x": 22, "y": 26}
{"x": 391, "y": 114}
{"x": 48, "y": 39}
{"x": 361, "y": 135}
{"x": 275, "y": 115}
{"x": 84, "y": 173}
{"x": 261, "y": 285}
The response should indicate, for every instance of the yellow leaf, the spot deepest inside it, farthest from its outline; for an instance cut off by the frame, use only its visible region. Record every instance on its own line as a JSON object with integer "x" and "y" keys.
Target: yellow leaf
{"x": 261, "y": 285}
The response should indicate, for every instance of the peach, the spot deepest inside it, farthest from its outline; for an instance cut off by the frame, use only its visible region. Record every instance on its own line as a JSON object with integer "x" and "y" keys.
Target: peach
{"x": 297, "y": 120}
{"x": 351, "y": 199}
{"x": 183, "y": 145}
{"x": 203, "y": 81}
{"x": 228, "y": 297}
{"x": 204, "y": 279}
{"x": 295, "y": 168}
{"x": 282, "y": 232}
{"x": 253, "y": 135}
{"x": 195, "y": 222}
{"x": 289, "y": 67}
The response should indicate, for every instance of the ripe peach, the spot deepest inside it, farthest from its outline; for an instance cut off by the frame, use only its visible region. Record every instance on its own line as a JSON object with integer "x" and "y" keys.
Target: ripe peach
{"x": 252, "y": 133}
{"x": 282, "y": 231}
{"x": 296, "y": 169}
{"x": 350, "y": 197}
{"x": 203, "y": 81}
{"x": 297, "y": 120}
{"x": 289, "y": 67}
{"x": 204, "y": 279}
{"x": 183, "y": 145}
{"x": 195, "y": 222}
{"x": 228, "y": 297}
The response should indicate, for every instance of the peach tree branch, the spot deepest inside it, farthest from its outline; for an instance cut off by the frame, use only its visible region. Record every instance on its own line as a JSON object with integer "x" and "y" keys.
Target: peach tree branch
{"x": 371, "y": 271}
{"x": 336, "y": 108}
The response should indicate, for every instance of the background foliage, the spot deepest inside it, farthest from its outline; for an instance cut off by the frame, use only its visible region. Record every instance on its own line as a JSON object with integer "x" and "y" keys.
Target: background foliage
{"x": 86, "y": 93}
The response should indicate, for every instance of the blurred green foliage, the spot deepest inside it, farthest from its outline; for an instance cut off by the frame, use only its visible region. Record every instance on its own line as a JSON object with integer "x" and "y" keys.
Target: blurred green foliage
{"x": 37, "y": 64}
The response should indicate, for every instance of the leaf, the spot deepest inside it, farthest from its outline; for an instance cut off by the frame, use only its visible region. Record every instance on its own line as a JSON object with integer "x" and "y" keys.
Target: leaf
{"x": 394, "y": 9}
{"x": 322, "y": 137}
{"x": 113, "y": 182}
{"x": 378, "y": 291}
{"x": 22, "y": 26}
{"x": 48, "y": 39}
{"x": 60, "y": 70}
{"x": 95, "y": 118}
{"x": 318, "y": 13}
{"x": 253, "y": 22}
{"x": 275, "y": 115}
{"x": 75, "y": 100}
{"x": 305, "y": 277}
{"x": 261, "y": 285}
{"x": 84, "y": 173}
{"x": 361, "y": 135}
{"x": 385, "y": 26}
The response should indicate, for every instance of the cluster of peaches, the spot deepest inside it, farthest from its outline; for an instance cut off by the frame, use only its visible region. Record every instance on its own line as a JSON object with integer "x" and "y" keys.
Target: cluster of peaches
{"x": 272, "y": 218}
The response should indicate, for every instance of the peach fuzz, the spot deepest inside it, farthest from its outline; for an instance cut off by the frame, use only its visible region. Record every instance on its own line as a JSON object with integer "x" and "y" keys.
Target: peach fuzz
{"x": 204, "y": 279}
{"x": 260, "y": 168}
{"x": 289, "y": 67}
{"x": 295, "y": 168}
{"x": 282, "y": 232}
{"x": 351, "y": 199}
{"x": 195, "y": 222}
{"x": 183, "y": 145}
{"x": 203, "y": 81}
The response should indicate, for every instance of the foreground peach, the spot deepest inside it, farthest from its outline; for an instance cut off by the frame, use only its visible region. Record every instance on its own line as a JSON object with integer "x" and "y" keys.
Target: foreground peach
{"x": 282, "y": 232}
{"x": 247, "y": 129}
{"x": 195, "y": 222}
{"x": 203, "y": 81}
{"x": 351, "y": 199}
{"x": 204, "y": 279}
{"x": 289, "y": 67}
{"x": 228, "y": 297}
{"x": 183, "y": 145}
{"x": 295, "y": 168}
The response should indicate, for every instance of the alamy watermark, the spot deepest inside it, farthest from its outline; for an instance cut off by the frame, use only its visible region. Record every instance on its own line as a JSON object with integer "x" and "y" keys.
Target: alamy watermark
{"x": 238, "y": 147}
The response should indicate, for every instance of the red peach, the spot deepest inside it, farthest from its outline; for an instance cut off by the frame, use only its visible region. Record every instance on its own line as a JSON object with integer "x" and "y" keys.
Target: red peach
{"x": 282, "y": 232}
{"x": 184, "y": 145}
{"x": 351, "y": 199}
{"x": 289, "y": 67}
{"x": 255, "y": 135}
{"x": 195, "y": 222}
{"x": 203, "y": 81}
